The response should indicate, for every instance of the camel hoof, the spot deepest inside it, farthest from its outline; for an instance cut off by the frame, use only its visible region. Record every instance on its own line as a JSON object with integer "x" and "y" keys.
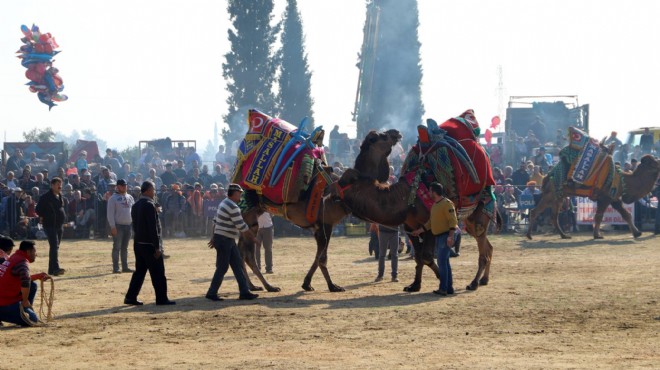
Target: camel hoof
{"x": 472, "y": 286}
{"x": 483, "y": 282}
{"x": 598, "y": 237}
{"x": 637, "y": 235}
{"x": 256, "y": 288}
{"x": 565, "y": 236}
{"x": 307, "y": 288}
{"x": 336, "y": 288}
{"x": 412, "y": 288}
{"x": 529, "y": 236}
{"x": 273, "y": 289}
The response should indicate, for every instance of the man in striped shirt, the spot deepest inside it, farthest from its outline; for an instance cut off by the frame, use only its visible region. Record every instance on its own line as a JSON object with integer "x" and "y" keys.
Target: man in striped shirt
{"x": 229, "y": 225}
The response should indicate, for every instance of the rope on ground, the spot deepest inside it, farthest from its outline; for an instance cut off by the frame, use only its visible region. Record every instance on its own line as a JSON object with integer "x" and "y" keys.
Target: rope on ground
{"x": 48, "y": 304}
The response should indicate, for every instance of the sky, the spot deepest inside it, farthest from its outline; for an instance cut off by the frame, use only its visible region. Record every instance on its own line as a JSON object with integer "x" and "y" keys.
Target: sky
{"x": 140, "y": 70}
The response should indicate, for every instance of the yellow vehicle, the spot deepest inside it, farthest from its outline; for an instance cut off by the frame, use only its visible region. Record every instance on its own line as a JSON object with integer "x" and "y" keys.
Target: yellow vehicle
{"x": 635, "y": 135}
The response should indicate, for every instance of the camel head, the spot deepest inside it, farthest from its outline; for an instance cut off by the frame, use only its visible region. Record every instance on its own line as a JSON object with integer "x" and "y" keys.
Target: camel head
{"x": 642, "y": 180}
{"x": 374, "y": 150}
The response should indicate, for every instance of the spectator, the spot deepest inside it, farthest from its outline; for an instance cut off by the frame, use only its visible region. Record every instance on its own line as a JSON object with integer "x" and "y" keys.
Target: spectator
{"x": 119, "y": 218}
{"x": 265, "y": 239}
{"x": 15, "y": 162}
{"x": 520, "y": 177}
{"x": 155, "y": 179}
{"x": 81, "y": 162}
{"x": 10, "y": 182}
{"x": 179, "y": 171}
{"x": 168, "y": 177}
{"x": 646, "y": 142}
{"x": 220, "y": 155}
{"x": 388, "y": 239}
{"x": 111, "y": 161}
{"x": 52, "y": 216}
{"x": 218, "y": 176}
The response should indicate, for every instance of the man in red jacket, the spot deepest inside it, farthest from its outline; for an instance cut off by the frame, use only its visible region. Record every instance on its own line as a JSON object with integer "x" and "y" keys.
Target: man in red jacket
{"x": 17, "y": 286}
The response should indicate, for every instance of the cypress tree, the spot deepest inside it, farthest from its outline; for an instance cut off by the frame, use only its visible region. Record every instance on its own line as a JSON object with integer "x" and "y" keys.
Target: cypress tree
{"x": 294, "y": 97}
{"x": 249, "y": 69}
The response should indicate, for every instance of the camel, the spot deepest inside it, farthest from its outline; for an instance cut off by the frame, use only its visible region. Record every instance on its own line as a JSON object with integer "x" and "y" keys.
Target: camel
{"x": 633, "y": 187}
{"x": 331, "y": 211}
{"x": 363, "y": 190}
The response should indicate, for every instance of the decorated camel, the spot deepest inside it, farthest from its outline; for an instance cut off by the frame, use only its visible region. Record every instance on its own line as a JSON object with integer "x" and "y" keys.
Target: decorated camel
{"x": 586, "y": 169}
{"x": 283, "y": 170}
{"x": 450, "y": 154}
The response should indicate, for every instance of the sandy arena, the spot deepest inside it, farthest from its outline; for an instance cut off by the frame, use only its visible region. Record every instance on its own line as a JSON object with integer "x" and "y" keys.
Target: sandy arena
{"x": 550, "y": 304}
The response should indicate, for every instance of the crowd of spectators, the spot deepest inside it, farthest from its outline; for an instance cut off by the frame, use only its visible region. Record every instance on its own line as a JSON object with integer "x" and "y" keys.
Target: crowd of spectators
{"x": 184, "y": 185}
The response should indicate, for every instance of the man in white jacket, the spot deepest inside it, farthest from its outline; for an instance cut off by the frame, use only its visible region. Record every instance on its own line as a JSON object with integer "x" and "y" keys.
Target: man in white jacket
{"x": 119, "y": 218}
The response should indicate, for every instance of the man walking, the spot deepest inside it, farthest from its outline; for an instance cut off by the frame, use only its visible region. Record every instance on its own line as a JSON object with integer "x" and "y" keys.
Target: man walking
{"x": 388, "y": 239}
{"x": 229, "y": 224}
{"x": 51, "y": 215}
{"x": 119, "y": 218}
{"x": 147, "y": 245}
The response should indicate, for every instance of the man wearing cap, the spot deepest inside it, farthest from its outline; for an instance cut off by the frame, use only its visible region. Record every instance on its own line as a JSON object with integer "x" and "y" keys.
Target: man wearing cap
{"x": 119, "y": 218}
{"x": 228, "y": 225}
{"x": 51, "y": 215}
{"x": 147, "y": 245}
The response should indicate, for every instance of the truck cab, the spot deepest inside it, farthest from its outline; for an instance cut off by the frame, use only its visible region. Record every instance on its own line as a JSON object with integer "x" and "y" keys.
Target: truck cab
{"x": 635, "y": 135}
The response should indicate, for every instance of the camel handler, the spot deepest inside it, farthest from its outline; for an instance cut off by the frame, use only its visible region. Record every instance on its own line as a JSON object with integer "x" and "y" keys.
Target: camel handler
{"x": 17, "y": 286}
{"x": 442, "y": 223}
{"x": 228, "y": 225}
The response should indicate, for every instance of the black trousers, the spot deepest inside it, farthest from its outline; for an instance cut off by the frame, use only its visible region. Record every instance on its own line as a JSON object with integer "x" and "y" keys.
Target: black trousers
{"x": 145, "y": 261}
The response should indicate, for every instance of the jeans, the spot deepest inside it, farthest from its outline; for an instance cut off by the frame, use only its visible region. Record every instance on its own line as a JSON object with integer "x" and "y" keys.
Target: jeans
{"x": 387, "y": 240}
{"x": 145, "y": 261}
{"x": 120, "y": 244}
{"x": 12, "y": 312}
{"x": 265, "y": 238}
{"x": 54, "y": 235}
{"x": 442, "y": 251}
{"x": 227, "y": 254}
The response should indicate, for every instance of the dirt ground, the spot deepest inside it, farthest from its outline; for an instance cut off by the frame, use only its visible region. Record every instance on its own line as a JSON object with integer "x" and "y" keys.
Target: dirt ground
{"x": 550, "y": 304}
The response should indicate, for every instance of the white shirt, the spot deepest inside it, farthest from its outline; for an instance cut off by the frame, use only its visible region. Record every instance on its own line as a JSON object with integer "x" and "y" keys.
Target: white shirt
{"x": 265, "y": 220}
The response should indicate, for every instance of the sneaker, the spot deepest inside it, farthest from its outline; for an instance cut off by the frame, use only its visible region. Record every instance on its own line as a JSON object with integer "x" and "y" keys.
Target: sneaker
{"x": 378, "y": 279}
{"x": 248, "y": 296}
{"x": 395, "y": 279}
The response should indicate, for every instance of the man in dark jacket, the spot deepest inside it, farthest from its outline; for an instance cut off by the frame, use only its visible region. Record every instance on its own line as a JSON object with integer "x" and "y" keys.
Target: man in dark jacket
{"x": 52, "y": 216}
{"x": 147, "y": 245}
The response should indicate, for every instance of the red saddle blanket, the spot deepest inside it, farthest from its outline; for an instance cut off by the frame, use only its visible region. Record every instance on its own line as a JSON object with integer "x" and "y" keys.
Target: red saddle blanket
{"x": 267, "y": 144}
{"x": 445, "y": 166}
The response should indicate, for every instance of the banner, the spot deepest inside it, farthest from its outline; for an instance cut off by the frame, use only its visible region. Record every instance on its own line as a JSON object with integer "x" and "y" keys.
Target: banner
{"x": 211, "y": 207}
{"x": 586, "y": 209}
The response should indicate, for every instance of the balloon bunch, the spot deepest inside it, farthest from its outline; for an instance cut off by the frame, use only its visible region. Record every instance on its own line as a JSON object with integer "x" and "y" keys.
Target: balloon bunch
{"x": 37, "y": 55}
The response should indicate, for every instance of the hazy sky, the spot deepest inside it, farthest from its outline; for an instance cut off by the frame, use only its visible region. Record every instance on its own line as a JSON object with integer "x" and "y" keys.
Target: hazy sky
{"x": 138, "y": 70}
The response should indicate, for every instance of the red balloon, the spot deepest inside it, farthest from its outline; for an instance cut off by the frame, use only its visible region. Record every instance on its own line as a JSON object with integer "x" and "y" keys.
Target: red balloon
{"x": 494, "y": 122}
{"x": 488, "y": 135}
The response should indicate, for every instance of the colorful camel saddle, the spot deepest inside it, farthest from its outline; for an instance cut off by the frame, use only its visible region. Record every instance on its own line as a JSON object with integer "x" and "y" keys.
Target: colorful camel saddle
{"x": 278, "y": 160}
{"x": 451, "y": 155}
{"x": 586, "y": 166}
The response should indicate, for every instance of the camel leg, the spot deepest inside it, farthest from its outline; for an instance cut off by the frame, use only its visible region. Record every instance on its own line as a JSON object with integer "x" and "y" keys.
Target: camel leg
{"x": 249, "y": 259}
{"x": 601, "y": 206}
{"x": 322, "y": 236}
{"x": 536, "y": 211}
{"x": 485, "y": 254}
{"x": 618, "y": 205}
{"x": 489, "y": 254}
{"x": 247, "y": 254}
{"x": 423, "y": 257}
{"x": 556, "y": 206}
